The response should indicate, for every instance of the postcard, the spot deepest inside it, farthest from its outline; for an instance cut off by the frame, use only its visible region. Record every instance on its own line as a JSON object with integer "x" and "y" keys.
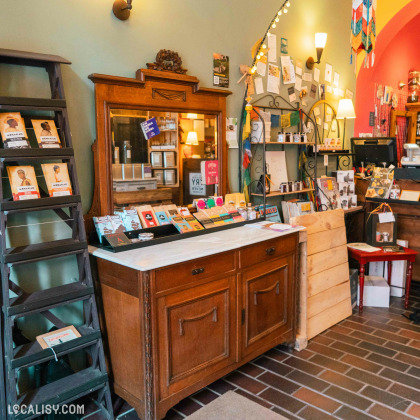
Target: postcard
{"x": 328, "y": 73}
{"x": 288, "y": 70}
{"x": 273, "y": 79}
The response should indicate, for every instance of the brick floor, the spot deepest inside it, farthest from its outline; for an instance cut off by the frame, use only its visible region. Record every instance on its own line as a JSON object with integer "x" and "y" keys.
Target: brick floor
{"x": 366, "y": 367}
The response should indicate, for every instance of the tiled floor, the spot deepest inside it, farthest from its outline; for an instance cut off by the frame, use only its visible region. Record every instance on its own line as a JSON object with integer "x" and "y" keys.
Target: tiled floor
{"x": 366, "y": 367}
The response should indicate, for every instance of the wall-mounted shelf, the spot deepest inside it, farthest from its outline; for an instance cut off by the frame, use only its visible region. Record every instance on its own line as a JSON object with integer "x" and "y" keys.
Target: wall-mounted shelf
{"x": 278, "y": 193}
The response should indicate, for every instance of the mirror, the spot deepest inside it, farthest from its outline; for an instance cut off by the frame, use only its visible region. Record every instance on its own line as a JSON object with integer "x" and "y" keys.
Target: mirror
{"x": 165, "y": 167}
{"x": 172, "y": 159}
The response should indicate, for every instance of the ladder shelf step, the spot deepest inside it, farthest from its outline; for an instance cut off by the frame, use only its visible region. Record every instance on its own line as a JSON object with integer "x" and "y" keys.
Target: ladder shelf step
{"x": 8, "y": 102}
{"x": 33, "y": 354}
{"x": 36, "y": 154}
{"x": 39, "y": 204}
{"x": 41, "y": 251}
{"x": 62, "y": 391}
{"x": 49, "y": 298}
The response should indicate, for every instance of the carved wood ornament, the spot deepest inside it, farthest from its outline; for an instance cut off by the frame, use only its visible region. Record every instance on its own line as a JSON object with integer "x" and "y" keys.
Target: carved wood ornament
{"x": 167, "y": 60}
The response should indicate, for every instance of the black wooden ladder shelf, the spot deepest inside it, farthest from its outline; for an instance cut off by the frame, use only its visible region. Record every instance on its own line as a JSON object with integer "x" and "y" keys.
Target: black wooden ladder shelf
{"x": 91, "y": 381}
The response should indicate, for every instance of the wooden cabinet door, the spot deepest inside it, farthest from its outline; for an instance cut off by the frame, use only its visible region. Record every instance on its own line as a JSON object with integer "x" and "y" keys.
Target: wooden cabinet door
{"x": 196, "y": 333}
{"x": 268, "y": 302}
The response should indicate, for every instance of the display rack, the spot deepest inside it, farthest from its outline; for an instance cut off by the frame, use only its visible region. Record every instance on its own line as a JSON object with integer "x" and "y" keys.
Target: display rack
{"x": 274, "y": 102}
{"x": 91, "y": 380}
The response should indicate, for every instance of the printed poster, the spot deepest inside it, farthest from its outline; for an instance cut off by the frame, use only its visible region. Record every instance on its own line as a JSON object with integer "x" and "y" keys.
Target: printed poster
{"x": 46, "y": 133}
{"x": 13, "y": 131}
{"x": 292, "y": 94}
{"x": 336, "y": 79}
{"x": 298, "y": 83}
{"x": 299, "y": 67}
{"x": 273, "y": 79}
{"x": 262, "y": 66}
{"x": 23, "y": 182}
{"x": 288, "y": 70}
{"x": 284, "y": 46}
{"x": 328, "y": 73}
{"x": 232, "y": 132}
{"x": 272, "y": 48}
{"x": 57, "y": 179}
{"x": 220, "y": 70}
{"x": 259, "y": 88}
{"x": 316, "y": 74}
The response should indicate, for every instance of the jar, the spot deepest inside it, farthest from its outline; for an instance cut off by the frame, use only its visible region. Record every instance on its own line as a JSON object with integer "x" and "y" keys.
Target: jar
{"x": 146, "y": 236}
{"x": 252, "y": 214}
{"x": 127, "y": 151}
{"x": 280, "y": 137}
{"x": 288, "y": 137}
{"x": 243, "y": 212}
{"x": 296, "y": 138}
{"x": 303, "y": 138}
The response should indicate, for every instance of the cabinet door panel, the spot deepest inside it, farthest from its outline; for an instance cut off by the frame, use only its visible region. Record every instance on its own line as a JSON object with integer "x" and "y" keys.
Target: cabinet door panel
{"x": 196, "y": 330}
{"x": 268, "y": 294}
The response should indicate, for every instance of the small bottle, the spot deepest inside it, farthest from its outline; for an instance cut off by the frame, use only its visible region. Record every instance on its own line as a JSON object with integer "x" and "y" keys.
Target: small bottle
{"x": 127, "y": 152}
{"x": 252, "y": 214}
{"x": 116, "y": 154}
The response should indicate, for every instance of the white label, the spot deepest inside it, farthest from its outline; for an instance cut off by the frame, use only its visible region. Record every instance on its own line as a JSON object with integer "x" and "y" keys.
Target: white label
{"x": 60, "y": 184}
{"x": 325, "y": 160}
{"x": 17, "y": 143}
{"x": 14, "y": 134}
{"x": 60, "y": 193}
{"x": 128, "y": 154}
{"x": 386, "y": 217}
{"x": 26, "y": 188}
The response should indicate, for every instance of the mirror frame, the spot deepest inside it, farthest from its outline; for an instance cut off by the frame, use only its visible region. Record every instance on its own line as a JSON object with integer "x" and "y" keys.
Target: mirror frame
{"x": 151, "y": 90}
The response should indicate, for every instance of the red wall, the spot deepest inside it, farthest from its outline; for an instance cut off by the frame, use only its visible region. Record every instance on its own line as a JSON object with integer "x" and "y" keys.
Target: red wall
{"x": 397, "y": 51}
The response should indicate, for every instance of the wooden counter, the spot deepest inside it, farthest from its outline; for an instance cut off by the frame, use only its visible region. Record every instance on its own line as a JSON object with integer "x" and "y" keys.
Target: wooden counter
{"x": 180, "y": 315}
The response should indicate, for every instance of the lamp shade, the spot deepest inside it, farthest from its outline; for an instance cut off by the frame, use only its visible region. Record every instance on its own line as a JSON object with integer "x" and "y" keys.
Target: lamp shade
{"x": 320, "y": 40}
{"x": 345, "y": 109}
{"x": 192, "y": 138}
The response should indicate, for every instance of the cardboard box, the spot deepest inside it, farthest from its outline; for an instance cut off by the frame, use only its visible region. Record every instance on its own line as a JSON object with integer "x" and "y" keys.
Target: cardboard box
{"x": 376, "y": 292}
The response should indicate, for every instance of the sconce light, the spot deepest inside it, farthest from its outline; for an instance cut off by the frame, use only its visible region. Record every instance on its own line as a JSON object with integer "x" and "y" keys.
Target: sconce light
{"x": 121, "y": 9}
{"x": 401, "y": 85}
{"x": 320, "y": 41}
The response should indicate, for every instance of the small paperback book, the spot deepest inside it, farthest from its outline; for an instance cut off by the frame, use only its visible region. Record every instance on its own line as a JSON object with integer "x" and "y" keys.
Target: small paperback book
{"x": 204, "y": 220}
{"x": 181, "y": 224}
{"x": 13, "y": 131}
{"x": 171, "y": 210}
{"x": 23, "y": 182}
{"x": 193, "y": 222}
{"x": 56, "y": 337}
{"x": 103, "y": 226}
{"x": 131, "y": 220}
{"x": 57, "y": 178}
{"x": 46, "y": 133}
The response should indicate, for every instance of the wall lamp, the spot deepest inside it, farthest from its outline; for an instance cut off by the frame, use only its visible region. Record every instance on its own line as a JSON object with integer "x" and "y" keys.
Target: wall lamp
{"x": 121, "y": 9}
{"x": 320, "y": 41}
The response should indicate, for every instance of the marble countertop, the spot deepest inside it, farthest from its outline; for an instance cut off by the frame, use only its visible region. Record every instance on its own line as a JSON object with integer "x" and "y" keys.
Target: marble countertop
{"x": 162, "y": 255}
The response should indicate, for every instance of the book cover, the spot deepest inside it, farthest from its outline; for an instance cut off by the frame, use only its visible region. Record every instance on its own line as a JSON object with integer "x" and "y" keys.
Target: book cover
{"x": 224, "y": 214}
{"x": 193, "y": 222}
{"x": 117, "y": 223}
{"x": 56, "y": 337}
{"x": 103, "y": 226}
{"x": 147, "y": 217}
{"x": 183, "y": 211}
{"x": 131, "y": 220}
{"x": 13, "y": 131}
{"x": 46, "y": 133}
{"x": 209, "y": 172}
{"x": 214, "y": 216}
{"x": 204, "y": 220}
{"x": 171, "y": 210}
{"x": 328, "y": 193}
{"x": 161, "y": 215}
{"x": 23, "y": 182}
{"x": 233, "y": 212}
{"x": 236, "y": 199}
{"x": 380, "y": 183}
{"x": 57, "y": 178}
{"x": 181, "y": 224}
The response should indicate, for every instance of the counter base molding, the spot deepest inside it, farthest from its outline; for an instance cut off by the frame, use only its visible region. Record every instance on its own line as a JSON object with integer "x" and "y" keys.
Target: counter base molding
{"x": 175, "y": 329}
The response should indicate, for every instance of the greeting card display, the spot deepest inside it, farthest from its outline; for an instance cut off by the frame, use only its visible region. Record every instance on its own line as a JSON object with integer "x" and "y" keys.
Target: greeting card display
{"x": 23, "y": 182}
{"x": 380, "y": 183}
{"x": 57, "y": 178}
{"x": 328, "y": 194}
{"x": 46, "y": 133}
{"x": 13, "y": 131}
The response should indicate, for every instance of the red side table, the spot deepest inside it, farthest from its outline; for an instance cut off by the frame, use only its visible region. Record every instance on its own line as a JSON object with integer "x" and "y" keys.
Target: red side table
{"x": 364, "y": 257}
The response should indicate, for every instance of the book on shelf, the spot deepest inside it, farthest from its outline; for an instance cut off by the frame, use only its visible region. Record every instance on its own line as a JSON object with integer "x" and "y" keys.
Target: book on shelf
{"x": 13, "y": 131}
{"x": 23, "y": 182}
{"x": 46, "y": 134}
{"x": 57, "y": 178}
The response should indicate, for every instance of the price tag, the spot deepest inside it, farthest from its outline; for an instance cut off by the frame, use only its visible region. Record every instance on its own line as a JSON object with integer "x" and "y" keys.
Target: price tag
{"x": 386, "y": 217}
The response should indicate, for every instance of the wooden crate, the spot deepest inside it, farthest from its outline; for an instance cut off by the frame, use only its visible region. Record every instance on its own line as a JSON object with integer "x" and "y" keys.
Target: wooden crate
{"x": 328, "y": 280}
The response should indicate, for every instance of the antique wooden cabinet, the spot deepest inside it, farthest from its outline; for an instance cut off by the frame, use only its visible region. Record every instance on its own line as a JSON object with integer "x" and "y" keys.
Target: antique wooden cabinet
{"x": 174, "y": 329}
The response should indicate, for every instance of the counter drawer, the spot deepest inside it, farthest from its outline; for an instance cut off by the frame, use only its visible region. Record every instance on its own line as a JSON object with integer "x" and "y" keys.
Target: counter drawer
{"x": 191, "y": 271}
{"x": 268, "y": 250}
